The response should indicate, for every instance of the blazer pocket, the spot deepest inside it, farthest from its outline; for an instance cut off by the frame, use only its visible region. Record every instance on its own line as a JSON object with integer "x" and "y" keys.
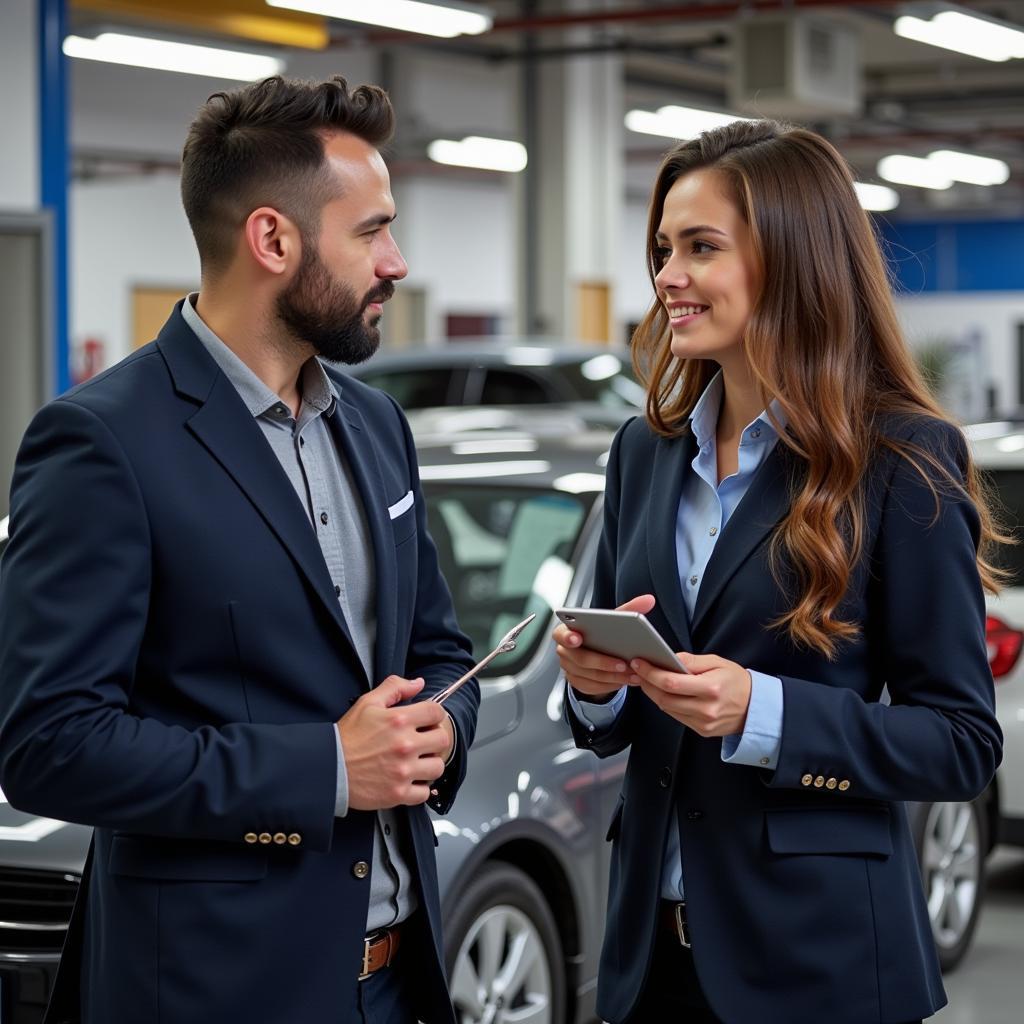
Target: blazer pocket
{"x": 862, "y": 831}
{"x": 615, "y": 825}
{"x": 180, "y": 860}
{"x": 403, "y": 518}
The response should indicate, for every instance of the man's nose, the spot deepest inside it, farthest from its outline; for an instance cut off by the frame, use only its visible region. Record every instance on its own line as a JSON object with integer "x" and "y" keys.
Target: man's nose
{"x": 393, "y": 267}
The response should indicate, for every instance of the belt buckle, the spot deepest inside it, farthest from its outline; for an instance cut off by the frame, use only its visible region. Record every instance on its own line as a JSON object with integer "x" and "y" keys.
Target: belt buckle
{"x": 365, "y": 973}
{"x": 681, "y": 929}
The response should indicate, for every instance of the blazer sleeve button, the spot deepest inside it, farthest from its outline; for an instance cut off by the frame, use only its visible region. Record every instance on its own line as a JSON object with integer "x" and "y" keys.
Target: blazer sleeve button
{"x": 251, "y": 837}
{"x": 266, "y": 837}
{"x": 819, "y": 782}
{"x": 294, "y": 839}
{"x": 806, "y": 780}
{"x": 280, "y": 838}
{"x": 830, "y": 783}
{"x": 844, "y": 785}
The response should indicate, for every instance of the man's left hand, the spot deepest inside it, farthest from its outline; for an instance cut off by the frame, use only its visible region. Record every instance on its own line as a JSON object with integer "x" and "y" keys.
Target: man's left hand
{"x": 711, "y": 698}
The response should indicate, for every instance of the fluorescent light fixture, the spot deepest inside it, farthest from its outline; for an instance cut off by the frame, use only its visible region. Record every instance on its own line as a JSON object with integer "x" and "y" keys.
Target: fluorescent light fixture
{"x": 164, "y": 55}
{"x": 579, "y": 483}
{"x": 965, "y": 33}
{"x": 976, "y": 170}
{"x": 1013, "y": 443}
{"x": 913, "y": 170}
{"x": 674, "y": 122}
{"x": 876, "y": 197}
{"x": 429, "y": 19}
{"x": 494, "y": 447}
{"x": 478, "y": 151}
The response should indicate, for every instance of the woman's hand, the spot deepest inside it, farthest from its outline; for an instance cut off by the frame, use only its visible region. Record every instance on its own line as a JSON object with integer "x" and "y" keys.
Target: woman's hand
{"x": 595, "y": 677}
{"x": 712, "y": 700}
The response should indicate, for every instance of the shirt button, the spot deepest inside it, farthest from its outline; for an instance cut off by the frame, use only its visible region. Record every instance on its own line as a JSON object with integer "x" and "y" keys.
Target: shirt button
{"x": 280, "y": 410}
{"x": 713, "y": 530}
{"x": 765, "y": 760}
{"x": 337, "y": 590}
{"x": 302, "y": 442}
{"x": 323, "y": 518}
{"x": 756, "y": 432}
{"x": 387, "y": 830}
{"x": 693, "y": 581}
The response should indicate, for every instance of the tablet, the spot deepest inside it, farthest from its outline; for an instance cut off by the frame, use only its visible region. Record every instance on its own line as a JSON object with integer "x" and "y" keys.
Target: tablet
{"x": 624, "y": 635}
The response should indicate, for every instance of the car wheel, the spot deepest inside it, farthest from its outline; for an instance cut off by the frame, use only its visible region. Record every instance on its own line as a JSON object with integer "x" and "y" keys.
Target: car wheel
{"x": 504, "y": 956}
{"x": 951, "y": 842}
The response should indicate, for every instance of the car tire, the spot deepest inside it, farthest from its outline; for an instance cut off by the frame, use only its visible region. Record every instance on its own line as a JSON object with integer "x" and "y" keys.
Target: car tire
{"x": 951, "y": 840}
{"x": 504, "y": 953}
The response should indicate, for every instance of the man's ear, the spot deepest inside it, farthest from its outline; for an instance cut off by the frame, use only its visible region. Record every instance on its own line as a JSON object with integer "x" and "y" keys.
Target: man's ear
{"x": 272, "y": 240}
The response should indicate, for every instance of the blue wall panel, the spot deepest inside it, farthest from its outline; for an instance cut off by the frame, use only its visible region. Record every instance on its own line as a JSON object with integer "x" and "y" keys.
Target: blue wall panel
{"x": 951, "y": 256}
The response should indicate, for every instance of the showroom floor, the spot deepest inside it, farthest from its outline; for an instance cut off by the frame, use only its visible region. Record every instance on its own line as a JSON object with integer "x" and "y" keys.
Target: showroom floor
{"x": 988, "y": 987}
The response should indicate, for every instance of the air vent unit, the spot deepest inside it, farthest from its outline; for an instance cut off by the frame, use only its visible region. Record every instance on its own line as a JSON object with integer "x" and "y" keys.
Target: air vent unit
{"x": 795, "y": 66}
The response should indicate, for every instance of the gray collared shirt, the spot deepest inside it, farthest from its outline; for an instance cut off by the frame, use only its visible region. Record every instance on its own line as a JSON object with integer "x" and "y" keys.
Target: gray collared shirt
{"x": 323, "y": 483}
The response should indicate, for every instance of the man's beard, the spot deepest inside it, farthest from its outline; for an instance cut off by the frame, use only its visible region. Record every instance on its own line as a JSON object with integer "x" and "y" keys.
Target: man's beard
{"x": 326, "y": 313}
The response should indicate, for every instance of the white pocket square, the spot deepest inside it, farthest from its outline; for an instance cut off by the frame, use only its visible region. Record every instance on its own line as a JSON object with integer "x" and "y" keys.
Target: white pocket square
{"x": 403, "y": 505}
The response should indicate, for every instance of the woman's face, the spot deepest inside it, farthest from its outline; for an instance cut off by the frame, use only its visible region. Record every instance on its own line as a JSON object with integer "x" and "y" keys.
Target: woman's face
{"x": 708, "y": 276}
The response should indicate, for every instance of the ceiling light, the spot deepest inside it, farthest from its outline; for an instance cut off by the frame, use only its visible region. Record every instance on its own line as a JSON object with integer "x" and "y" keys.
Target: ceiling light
{"x": 164, "y": 55}
{"x": 913, "y": 170}
{"x": 477, "y": 151}
{"x": 674, "y": 122}
{"x": 962, "y": 31}
{"x": 876, "y": 197}
{"x": 975, "y": 170}
{"x": 447, "y": 20}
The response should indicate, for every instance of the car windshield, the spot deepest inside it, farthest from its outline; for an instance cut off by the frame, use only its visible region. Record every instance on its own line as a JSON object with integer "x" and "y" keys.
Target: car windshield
{"x": 506, "y": 553}
{"x": 1009, "y": 486}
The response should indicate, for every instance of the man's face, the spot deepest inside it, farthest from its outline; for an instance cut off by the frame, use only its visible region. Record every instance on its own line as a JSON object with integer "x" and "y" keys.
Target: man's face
{"x": 334, "y": 302}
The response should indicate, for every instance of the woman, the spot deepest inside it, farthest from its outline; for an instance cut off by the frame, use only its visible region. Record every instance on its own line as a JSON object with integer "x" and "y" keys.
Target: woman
{"x": 799, "y": 519}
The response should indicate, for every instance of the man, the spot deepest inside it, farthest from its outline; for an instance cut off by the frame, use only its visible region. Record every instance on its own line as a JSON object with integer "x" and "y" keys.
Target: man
{"x": 217, "y": 548}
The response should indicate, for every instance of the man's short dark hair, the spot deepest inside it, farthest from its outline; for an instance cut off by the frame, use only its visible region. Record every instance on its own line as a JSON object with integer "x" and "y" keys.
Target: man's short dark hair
{"x": 264, "y": 146}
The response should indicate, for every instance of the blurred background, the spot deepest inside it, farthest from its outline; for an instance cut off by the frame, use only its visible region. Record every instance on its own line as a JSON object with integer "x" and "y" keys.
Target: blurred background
{"x": 528, "y": 136}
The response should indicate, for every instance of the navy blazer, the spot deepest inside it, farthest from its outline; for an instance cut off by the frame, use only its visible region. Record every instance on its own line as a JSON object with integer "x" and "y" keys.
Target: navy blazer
{"x": 803, "y": 893}
{"x": 173, "y": 659}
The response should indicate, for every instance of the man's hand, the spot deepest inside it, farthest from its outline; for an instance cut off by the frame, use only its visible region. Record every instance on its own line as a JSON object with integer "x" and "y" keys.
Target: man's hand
{"x": 393, "y": 753}
{"x": 595, "y": 676}
{"x": 712, "y": 700}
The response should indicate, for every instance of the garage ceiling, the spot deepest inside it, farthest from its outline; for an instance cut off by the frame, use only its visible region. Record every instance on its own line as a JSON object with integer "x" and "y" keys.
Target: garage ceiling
{"x": 916, "y": 98}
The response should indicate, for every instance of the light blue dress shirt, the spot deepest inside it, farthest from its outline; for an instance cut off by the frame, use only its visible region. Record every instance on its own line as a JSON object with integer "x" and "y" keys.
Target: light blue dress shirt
{"x": 705, "y": 506}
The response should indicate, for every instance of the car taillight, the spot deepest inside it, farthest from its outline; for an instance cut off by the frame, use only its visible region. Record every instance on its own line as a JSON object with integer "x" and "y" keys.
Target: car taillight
{"x": 1004, "y": 644}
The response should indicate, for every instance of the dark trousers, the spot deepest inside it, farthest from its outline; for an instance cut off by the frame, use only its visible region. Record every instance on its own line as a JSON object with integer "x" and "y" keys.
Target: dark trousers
{"x": 672, "y": 994}
{"x": 388, "y": 995}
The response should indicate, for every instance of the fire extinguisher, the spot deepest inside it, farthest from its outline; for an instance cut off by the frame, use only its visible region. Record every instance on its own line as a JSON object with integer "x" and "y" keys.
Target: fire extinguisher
{"x": 90, "y": 359}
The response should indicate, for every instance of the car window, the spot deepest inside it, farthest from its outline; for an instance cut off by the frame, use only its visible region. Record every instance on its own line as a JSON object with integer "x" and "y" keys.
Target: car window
{"x": 507, "y": 387}
{"x": 506, "y": 553}
{"x": 1009, "y": 486}
{"x": 605, "y": 379}
{"x": 412, "y": 389}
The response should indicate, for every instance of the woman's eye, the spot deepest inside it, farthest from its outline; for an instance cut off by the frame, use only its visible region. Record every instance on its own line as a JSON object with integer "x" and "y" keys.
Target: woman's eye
{"x": 703, "y": 248}
{"x": 661, "y": 254}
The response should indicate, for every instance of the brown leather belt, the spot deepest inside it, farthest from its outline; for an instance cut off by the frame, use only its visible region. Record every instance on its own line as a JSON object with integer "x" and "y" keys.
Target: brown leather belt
{"x": 379, "y": 950}
{"x": 672, "y": 918}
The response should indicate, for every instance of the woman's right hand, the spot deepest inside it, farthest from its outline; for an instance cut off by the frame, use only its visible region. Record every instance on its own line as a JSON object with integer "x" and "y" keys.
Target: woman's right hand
{"x": 596, "y": 677}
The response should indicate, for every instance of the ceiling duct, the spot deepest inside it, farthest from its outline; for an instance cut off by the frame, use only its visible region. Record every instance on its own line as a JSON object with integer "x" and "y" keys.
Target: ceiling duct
{"x": 795, "y": 66}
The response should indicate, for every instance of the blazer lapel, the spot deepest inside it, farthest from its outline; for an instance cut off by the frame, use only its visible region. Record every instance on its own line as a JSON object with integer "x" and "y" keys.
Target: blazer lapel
{"x": 760, "y": 509}
{"x": 671, "y": 460}
{"x": 347, "y": 428}
{"x": 228, "y": 431}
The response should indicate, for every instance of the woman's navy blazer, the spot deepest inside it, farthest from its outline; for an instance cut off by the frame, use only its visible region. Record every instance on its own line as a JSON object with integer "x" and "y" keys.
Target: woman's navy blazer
{"x": 802, "y": 885}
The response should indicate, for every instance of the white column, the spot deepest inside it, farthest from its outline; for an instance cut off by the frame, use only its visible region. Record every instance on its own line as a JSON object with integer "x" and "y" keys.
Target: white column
{"x": 576, "y": 184}
{"x": 19, "y": 105}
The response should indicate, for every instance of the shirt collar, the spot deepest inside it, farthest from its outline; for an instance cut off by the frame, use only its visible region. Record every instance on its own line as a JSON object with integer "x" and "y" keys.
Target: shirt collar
{"x": 704, "y": 418}
{"x": 317, "y": 388}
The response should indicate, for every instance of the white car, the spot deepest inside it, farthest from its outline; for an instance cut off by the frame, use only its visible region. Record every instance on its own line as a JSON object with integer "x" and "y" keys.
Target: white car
{"x": 954, "y": 839}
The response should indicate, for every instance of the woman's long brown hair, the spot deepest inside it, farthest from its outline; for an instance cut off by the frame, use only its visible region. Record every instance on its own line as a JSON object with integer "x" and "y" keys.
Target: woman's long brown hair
{"x": 824, "y": 340}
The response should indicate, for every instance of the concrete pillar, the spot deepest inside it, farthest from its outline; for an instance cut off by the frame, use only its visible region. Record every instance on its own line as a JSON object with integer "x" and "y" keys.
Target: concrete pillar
{"x": 571, "y": 196}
